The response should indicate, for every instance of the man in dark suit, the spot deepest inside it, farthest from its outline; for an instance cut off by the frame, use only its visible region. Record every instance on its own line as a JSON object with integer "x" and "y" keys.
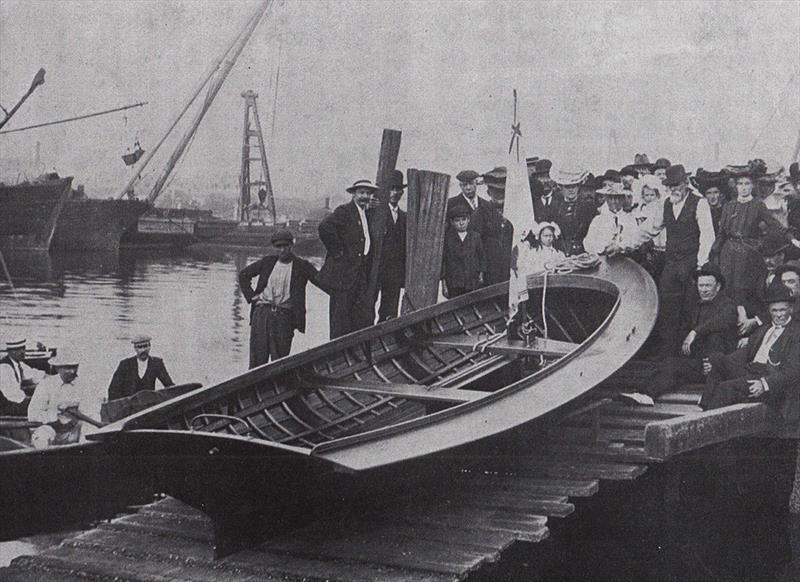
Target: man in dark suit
{"x": 278, "y": 304}
{"x": 139, "y": 372}
{"x": 345, "y": 234}
{"x": 468, "y": 197}
{"x": 497, "y": 232}
{"x": 392, "y": 268}
{"x": 572, "y": 214}
{"x": 710, "y": 329}
{"x": 767, "y": 369}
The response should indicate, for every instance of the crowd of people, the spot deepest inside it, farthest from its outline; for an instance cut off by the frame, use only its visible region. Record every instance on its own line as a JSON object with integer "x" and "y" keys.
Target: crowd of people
{"x": 721, "y": 245}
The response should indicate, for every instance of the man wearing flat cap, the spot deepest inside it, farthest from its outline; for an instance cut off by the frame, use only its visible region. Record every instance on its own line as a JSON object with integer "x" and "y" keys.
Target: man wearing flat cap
{"x": 392, "y": 268}
{"x": 63, "y": 405}
{"x": 468, "y": 196}
{"x": 278, "y": 303}
{"x": 345, "y": 234}
{"x": 138, "y": 372}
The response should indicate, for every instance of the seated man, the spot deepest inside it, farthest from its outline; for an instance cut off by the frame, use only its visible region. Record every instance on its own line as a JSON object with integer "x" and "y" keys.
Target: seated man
{"x": 710, "y": 329}
{"x": 17, "y": 379}
{"x": 766, "y": 370}
{"x": 53, "y": 404}
{"x": 138, "y": 372}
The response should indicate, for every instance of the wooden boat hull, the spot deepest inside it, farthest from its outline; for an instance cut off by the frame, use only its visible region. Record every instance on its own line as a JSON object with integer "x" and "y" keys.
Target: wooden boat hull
{"x": 398, "y": 399}
{"x": 29, "y": 213}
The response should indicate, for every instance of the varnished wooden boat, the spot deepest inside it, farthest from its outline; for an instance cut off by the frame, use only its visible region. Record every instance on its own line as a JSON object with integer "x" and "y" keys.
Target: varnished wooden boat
{"x": 435, "y": 380}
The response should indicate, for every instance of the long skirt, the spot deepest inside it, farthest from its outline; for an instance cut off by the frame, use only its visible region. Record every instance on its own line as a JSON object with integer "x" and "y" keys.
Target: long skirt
{"x": 741, "y": 265}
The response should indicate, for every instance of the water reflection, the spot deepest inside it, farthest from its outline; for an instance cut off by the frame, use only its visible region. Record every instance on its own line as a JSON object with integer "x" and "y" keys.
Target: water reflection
{"x": 90, "y": 304}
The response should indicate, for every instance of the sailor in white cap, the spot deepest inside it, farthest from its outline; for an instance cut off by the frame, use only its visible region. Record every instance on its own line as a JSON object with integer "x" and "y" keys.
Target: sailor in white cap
{"x": 58, "y": 403}
{"x": 15, "y": 375}
{"x": 138, "y": 372}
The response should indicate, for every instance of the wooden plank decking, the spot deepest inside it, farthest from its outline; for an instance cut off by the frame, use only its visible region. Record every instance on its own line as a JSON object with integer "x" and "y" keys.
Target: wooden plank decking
{"x": 483, "y": 511}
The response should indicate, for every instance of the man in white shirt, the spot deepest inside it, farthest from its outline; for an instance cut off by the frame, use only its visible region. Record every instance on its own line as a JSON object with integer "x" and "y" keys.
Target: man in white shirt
{"x": 15, "y": 376}
{"x": 612, "y": 231}
{"x": 690, "y": 234}
{"x": 768, "y": 369}
{"x": 348, "y": 258}
{"x": 54, "y": 403}
{"x": 278, "y": 303}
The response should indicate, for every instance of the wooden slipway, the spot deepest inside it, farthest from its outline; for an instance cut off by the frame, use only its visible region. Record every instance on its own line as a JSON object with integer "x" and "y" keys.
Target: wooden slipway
{"x": 442, "y": 534}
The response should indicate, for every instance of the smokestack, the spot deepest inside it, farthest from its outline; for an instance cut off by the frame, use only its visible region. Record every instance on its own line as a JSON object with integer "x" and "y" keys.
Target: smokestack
{"x": 328, "y": 203}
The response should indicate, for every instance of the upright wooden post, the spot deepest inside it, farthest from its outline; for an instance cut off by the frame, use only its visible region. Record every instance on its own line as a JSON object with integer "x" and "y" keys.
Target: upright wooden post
{"x": 427, "y": 204}
{"x": 387, "y": 161}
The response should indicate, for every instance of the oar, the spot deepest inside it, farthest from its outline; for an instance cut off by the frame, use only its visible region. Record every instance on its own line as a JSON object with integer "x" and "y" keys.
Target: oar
{"x": 78, "y": 415}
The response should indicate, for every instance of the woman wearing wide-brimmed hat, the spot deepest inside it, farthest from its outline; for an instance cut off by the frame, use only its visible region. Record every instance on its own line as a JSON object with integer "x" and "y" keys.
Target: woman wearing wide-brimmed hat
{"x": 736, "y": 247}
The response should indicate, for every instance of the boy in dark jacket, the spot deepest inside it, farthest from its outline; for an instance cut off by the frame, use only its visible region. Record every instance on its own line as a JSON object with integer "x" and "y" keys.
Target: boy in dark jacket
{"x": 463, "y": 260}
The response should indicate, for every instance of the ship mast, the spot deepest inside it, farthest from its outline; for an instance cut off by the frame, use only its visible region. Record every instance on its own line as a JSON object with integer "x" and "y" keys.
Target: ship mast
{"x": 234, "y": 49}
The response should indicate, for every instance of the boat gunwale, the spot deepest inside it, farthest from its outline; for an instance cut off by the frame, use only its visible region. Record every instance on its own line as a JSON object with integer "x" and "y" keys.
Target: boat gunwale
{"x": 491, "y": 397}
{"x": 582, "y": 280}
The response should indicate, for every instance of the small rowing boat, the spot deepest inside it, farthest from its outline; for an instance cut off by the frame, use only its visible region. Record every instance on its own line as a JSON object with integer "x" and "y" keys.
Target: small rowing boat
{"x": 435, "y": 380}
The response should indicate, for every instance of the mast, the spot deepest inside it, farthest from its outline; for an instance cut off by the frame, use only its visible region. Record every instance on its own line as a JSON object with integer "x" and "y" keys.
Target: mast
{"x": 213, "y": 89}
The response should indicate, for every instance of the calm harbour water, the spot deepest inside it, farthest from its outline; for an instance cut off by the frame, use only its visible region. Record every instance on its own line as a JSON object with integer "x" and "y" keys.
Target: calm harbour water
{"x": 90, "y": 305}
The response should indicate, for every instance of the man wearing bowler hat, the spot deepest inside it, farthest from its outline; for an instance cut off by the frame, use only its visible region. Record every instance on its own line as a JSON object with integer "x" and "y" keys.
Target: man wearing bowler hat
{"x": 767, "y": 369}
{"x": 710, "y": 329}
{"x": 278, "y": 303}
{"x": 468, "y": 196}
{"x": 392, "y": 268}
{"x": 496, "y": 231}
{"x": 690, "y": 235}
{"x": 345, "y": 234}
{"x": 139, "y": 372}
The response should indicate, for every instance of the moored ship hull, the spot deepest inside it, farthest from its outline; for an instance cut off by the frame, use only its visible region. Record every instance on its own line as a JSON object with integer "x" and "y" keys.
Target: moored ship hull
{"x": 29, "y": 213}
{"x": 95, "y": 225}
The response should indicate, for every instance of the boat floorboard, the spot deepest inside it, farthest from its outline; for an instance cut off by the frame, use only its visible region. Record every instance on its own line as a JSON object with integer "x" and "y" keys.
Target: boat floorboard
{"x": 485, "y": 507}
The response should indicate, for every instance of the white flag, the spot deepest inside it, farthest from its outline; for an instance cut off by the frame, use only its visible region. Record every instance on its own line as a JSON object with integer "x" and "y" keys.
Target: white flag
{"x": 518, "y": 209}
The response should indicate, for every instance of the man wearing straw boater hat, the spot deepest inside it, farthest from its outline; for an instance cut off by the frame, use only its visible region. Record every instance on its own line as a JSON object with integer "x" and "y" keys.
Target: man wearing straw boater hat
{"x": 612, "y": 231}
{"x": 65, "y": 408}
{"x": 138, "y": 372}
{"x": 392, "y": 268}
{"x": 345, "y": 234}
{"x": 278, "y": 304}
{"x": 574, "y": 215}
{"x": 15, "y": 377}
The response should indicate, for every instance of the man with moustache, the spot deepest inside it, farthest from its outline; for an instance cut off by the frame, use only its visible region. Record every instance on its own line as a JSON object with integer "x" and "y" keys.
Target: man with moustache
{"x": 344, "y": 275}
{"x": 139, "y": 372}
{"x": 766, "y": 370}
{"x": 690, "y": 235}
{"x": 392, "y": 268}
{"x": 278, "y": 304}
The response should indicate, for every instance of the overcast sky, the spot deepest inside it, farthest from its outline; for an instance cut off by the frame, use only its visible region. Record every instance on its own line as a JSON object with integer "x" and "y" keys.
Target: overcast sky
{"x": 598, "y": 82}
